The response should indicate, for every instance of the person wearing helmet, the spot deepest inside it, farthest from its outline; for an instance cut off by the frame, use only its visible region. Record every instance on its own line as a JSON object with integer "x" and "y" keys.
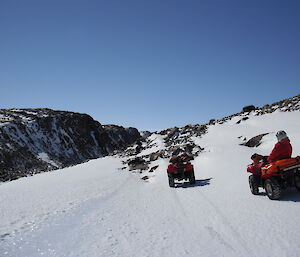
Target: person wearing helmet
{"x": 282, "y": 149}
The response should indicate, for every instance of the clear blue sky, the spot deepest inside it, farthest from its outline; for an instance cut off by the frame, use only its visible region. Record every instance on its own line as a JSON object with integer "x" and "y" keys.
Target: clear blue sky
{"x": 150, "y": 64}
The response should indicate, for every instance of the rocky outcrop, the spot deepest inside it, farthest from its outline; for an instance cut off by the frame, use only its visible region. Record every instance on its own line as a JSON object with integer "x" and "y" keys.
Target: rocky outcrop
{"x": 176, "y": 141}
{"x": 36, "y": 140}
{"x": 255, "y": 141}
{"x": 121, "y": 137}
{"x": 249, "y": 108}
{"x": 182, "y": 140}
{"x": 286, "y": 105}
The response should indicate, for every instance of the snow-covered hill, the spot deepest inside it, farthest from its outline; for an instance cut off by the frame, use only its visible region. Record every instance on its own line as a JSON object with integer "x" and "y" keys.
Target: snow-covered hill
{"x": 98, "y": 209}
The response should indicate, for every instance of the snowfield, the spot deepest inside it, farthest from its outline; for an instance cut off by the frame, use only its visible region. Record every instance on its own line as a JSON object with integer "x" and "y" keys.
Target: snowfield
{"x": 97, "y": 209}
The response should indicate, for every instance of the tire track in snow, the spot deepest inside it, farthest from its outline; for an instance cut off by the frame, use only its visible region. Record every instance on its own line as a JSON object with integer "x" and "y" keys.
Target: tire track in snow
{"x": 215, "y": 235}
{"x": 211, "y": 231}
{"x": 38, "y": 223}
{"x": 181, "y": 198}
{"x": 236, "y": 235}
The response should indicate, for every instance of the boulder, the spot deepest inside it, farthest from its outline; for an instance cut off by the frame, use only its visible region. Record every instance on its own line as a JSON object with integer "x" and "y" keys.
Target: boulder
{"x": 243, "y": 119}
{"x": 154, "y": 156}
{"x": 153, "y": 168}
{"x": 254, "y": 141}
{"x": 137, "y": 163}
{"x": 249, "y": 108}
{"x": 212, "y": 122}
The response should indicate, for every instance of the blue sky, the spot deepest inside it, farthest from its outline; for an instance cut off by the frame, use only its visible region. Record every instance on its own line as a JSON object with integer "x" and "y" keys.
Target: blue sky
{"x": 148, "y": 64}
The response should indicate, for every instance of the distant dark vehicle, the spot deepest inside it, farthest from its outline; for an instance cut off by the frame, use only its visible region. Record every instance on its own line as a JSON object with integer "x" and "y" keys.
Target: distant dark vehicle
{"x": 275, "y": 177}
{"x": 180, "y": 168}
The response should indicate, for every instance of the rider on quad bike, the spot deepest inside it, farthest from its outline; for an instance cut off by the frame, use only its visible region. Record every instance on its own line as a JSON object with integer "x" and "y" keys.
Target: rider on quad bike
{"x": 282, "y": 149}
{"x": 181, "y": 168}
{"x": 276, "y": 171}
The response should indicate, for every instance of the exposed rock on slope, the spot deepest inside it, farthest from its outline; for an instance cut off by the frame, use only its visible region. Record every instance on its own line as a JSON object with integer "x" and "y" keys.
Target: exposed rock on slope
{"x": 255, "y": 141}
{"x": 286, "y": 105}
{"x": 163, "y": 144}
{"x": 35, "y": 140}
{"x": 176, "y": 140}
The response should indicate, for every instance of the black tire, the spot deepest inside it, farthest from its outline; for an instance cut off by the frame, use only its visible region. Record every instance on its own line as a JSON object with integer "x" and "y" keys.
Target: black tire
{"x": 273, "y": 189}
{"x": 192, "y": 177}
{"x": 253, "y": 184}
{"x": 171, "y": 180}
{"x": 297, "y": 181}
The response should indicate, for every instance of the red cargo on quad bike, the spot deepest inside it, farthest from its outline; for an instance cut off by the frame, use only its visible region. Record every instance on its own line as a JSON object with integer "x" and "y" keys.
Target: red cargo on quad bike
{"x": 275, "y": 176}
{"x": 180, "y": 168}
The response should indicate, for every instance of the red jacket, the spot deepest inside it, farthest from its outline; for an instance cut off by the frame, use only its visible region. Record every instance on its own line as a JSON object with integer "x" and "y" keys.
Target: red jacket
{"x": 282, "y": 150}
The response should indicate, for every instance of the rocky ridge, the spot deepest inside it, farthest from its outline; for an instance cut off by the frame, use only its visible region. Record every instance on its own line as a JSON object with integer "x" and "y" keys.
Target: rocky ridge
{"x": 177, "y": 140}
{"x": 144, "y": 153}
{"x": 36, "y": 140}
{"x": 286, "y": 105}
{"x": 31, "y": 134}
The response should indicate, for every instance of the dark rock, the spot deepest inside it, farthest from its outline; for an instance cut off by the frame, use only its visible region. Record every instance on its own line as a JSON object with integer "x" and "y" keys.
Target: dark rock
{"x": 145, "y": 134}
{"x": 212, "y": 122}
{"x": 243, "y": 119}
{"x": 249, "y": 108}
{"x": 137, "y": 163}
{"x": 137, "y": 160}
{"x": 154, "y": 156}
{"x": 254, "y": 141}
{"x": 120, "y": 136}
{"x": 153, "y": 168}
{"x": 174, "y": 132}
{"x": 36, "y": 140}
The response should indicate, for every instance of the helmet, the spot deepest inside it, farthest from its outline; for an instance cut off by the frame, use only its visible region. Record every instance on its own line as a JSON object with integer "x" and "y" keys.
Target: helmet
{"x": 281, "y": 135}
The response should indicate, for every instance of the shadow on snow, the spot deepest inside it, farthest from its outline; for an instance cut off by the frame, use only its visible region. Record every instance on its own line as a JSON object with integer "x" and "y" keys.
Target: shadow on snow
{"x": 287, "y": 195}
{"x": 290, "y": 195}
{"x": 199, "y": 183}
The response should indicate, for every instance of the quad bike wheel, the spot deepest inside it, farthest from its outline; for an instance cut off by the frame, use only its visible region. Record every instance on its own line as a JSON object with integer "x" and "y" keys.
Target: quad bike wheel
{"x": 273, "y": 189}
{"x": 253, "y": 183}
{"x": 297, "y": 181}
{"x": 192, "y": 177}
{"x": 171, "y": 180}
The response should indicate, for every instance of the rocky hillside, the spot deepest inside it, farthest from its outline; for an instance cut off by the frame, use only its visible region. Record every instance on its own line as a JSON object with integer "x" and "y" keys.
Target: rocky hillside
{"x": 286, "y": 105}
{"x": 175, "y": 140}
{"x": 35, "y": 140}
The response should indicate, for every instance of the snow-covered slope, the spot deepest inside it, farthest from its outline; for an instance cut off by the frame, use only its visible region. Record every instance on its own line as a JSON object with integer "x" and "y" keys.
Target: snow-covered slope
{"x": 97, "y": 209}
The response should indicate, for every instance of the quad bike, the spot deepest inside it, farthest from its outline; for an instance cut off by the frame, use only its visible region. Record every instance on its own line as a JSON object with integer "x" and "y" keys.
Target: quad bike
{"x": 180, "y": 168}
{"x": 275, "y": 177}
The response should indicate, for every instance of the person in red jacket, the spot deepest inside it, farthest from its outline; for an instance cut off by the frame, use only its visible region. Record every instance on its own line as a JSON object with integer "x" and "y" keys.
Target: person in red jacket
{"x": 282, "y": 149}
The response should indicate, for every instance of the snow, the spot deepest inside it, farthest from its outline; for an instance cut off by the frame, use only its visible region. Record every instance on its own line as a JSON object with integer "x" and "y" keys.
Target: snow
{"x": 44, "y": 157}
{"x": 96, "y": 209}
